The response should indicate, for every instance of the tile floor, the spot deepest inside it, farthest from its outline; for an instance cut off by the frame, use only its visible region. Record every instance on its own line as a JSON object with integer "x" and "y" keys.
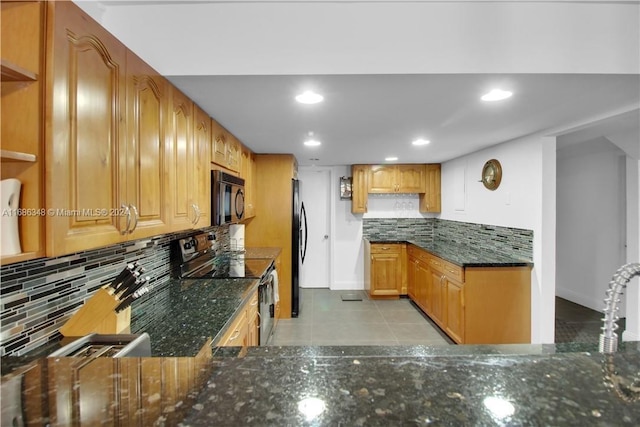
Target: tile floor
{"x": 325, "y": 319}
{"x": 576, "y": 323}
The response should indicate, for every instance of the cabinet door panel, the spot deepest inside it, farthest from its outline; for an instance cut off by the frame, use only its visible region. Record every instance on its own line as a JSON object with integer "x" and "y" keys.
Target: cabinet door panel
{"x": 382, "y": 179}
{"x": 411, "y": 178}
{"x": 85, "y": 88}
{"x": 202, "y": 167}
{"x": 455, "y": 311}
{"x": 181, "y": 143}
{"x": 146, "y": 147}
{"x": 430, "y": 200}
{"x": 423, "y": 277}
{"x": 386, "y": 274}
{"x": 436, "y": 297}
{"x": 359, "y": 188}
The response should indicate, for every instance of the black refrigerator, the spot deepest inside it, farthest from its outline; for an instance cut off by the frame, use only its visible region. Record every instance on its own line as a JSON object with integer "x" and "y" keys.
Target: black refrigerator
{"x": 298, "y": 246}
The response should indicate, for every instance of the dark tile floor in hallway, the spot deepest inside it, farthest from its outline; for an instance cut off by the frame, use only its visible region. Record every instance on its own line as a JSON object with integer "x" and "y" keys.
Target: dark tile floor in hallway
{"x": 576, "y": 323}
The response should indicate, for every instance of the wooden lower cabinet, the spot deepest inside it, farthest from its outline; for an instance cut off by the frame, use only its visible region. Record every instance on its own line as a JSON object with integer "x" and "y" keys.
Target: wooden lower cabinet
{"x": 244, "y": 331}
{"x": 454, "y": 295}
{"x": 473, "y": 305}
{"x": 383, "y": 277}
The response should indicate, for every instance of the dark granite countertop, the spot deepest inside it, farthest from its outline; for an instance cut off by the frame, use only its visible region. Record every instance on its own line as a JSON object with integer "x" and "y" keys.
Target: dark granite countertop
{"x": 198, "y": 310}
{"x": 476, "y": 385}
{"x": 461, "y": 255}
{"x": 381, "y": 386}
{"x": 201, "y": 309}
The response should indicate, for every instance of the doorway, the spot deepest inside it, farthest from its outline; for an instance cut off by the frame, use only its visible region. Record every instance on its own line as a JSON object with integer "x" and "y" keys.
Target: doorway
{"x": 316, "y": 195}
{"x": 590, "y": 235}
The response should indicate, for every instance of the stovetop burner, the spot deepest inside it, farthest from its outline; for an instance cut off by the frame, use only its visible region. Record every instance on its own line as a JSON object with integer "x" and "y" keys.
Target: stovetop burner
{"x": 201, "y": 262}
{"x": 226, "y": 266}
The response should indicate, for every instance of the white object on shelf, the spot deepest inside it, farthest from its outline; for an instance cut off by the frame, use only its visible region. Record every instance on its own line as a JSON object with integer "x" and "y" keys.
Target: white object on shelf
{"x": 236, "y": 237}
{"x": 10, "y": 202}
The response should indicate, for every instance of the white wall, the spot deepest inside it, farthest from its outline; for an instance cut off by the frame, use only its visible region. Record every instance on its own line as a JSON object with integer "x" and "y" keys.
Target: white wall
{"x": 591, "y": 220}
{"x": 347, "y": 251}
{"x": 524, "y": 199}
{"x": 632, "y": 331}
{"x": 379, "y": 37}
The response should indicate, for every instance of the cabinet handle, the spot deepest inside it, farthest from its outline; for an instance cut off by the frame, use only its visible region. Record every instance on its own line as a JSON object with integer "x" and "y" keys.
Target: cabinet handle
{"x": 128, "y": 212}
{"x": 385, "y": 248}
{"x": 450, "y": 271}
{"x": 136, "y": 216}
{"x": 236, "y": 335}
{"x": 253, "y": 304}
{"x": 195, "y": 213}
{"x": 199, "y": 213}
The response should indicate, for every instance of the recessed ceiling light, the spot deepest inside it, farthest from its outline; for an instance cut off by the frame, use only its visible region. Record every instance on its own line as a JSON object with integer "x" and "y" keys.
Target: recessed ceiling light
{"x": 309, "y": 97}
{"x": 390, "y": 159}
{"x": 496, "y": 95}
{"x": 310, "y": 142}
{"x": 420, "y": 141}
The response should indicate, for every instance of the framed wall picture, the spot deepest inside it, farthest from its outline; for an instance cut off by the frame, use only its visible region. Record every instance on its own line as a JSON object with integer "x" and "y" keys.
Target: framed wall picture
{"x": 345, "y": 188}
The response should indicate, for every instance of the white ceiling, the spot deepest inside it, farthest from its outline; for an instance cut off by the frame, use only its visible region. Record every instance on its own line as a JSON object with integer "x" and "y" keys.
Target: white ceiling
{"x": 365, "y": 118}
{"x": 379, "y": 66}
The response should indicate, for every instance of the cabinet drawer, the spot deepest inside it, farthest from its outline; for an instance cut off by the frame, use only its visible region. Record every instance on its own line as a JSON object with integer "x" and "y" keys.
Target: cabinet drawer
{"x": 387, "y": 248}
{"x": 417, "y": 253}
{"x": 453, "y": 271}
{"x": 436, "y": 263}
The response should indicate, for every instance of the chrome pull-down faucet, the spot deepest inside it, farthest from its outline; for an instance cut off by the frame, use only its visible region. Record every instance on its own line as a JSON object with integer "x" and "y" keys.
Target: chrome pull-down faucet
{"x": 609, "y": 337}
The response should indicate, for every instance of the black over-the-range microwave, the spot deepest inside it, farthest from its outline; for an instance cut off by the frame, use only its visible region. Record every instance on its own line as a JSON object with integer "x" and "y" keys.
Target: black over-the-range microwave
{"x": 227, "y": 198}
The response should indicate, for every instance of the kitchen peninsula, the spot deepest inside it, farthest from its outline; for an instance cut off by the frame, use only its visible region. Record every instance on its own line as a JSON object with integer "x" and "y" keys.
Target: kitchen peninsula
{"x": 568, "y": 385}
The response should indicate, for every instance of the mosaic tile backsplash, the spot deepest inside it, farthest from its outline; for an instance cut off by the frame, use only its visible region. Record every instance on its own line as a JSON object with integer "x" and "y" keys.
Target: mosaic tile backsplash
{"x": 516, "y": 242}
{"x": 38, "y": 296}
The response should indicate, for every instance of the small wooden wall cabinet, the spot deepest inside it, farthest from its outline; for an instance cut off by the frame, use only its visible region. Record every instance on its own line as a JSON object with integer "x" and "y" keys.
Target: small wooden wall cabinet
{"x": 473, "y": 305}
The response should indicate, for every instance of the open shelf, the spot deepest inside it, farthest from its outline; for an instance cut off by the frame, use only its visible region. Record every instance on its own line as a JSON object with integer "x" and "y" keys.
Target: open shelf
{"x": 14, "y": 73}
{"x": 16, "y": 156}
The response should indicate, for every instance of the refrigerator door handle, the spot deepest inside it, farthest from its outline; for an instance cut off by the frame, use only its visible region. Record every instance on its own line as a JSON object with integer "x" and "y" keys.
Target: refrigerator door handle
{"x": 303, "y": 247}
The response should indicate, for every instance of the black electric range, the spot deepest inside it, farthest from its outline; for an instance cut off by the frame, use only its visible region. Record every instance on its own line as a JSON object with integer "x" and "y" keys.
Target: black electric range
{"x": 201, "y": 262}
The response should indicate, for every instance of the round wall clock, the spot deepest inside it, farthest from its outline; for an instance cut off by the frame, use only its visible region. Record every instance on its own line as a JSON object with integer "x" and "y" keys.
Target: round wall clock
{"x": 491, "y": 174}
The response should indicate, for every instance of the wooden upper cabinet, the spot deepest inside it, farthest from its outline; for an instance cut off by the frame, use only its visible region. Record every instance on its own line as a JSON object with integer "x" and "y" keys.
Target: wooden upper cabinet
{"x": 226, "y": 148}
{"x": 359, "y": 191}
{"x": 86, "y": 107}
{"x": 233, "y": 153}
{"x": 408, "y": 178}
{"x": 146, "y": 150}
{"x": 382, "y": 179}
{"x": 219, "y": 153}
{"x": 247, "y": 172}
{"x": 202, "y": 167}
{"x": 430, "y": 199}
{"x": 411, "y": 178}
{"x": 180, "y": 128}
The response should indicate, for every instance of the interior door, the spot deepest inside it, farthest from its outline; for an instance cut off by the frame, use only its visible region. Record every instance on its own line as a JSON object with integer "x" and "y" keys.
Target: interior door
{"x": 315, "y": 194}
